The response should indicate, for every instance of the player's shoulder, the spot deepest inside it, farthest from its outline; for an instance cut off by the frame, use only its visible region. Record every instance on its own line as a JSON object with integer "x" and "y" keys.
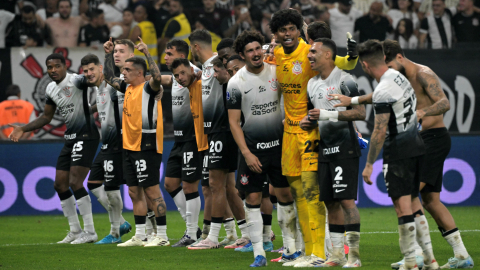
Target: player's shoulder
{"x": 424, "y": 73}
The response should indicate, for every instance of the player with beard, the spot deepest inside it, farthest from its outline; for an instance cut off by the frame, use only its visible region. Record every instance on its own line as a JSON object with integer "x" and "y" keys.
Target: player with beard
{"x": 255, "y": 93}
{"x": 394, "y": 101}
{"x": 221, "y": 163}
{"x": 68, "y": 94}
{"x": 339, "y": 150}
{"x": 142, "y": 141}
{"x": 185, "y": 161}
{"x": 107, "y": 168}
{"x": 184, "y": 166}
{"x": 431, "y": 105}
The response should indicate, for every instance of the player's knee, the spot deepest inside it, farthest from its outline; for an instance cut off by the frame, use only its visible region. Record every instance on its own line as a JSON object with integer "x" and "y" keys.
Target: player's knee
{"x": 190, "y": 187}
{"x": 169, "y": 187}
{"x": 60, "y": 187}
{"x": 206, "y": 192}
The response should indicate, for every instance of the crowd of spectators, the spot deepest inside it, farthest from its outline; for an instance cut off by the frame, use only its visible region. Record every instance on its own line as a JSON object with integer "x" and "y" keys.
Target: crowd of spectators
{"x": 435, "y": 24}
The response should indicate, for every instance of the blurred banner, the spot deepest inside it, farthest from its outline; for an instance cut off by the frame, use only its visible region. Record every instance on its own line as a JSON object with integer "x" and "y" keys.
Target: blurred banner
{"x": 27, "y": 171}
{"x": 457, "y": 70}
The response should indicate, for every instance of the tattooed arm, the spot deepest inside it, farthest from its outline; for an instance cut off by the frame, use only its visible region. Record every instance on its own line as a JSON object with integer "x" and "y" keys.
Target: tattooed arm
{"x": 347, "y": 101}
{"x": 356, "y": 113}
{"x": 108, "y": 73}
{"x": 156, "y": 78}
{"x": 432, "y": 87}
{"x": 376, "y": 143}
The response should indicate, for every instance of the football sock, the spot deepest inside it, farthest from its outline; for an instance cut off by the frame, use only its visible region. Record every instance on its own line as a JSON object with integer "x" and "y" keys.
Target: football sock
{"x": 316, "y": 212}
{"x": 230, "y": 228}
{"x": 418, "y": 249}
{"x": 162, "y": 227}
{"x": 338, "y": 240}
{"x": 242, "y": 225}
{"x": 454, "y": 238}
{"x": 140, "y": 227}
{"x": 206, "y": 228}
{"x": 407, "y": 232}
{"x": 328, "y": 240}
{"x": 85, "y": 208}
{"x": 296, "y": 187}
{"x": 267, "y": 227}
{"x": 180, "y": 201}
{"x": 67, "y": 202}
{"x": 299, "y": 244}
{"x": 215, "y": 229}
{"x": 115, "y": 211}
{"x": 99, "y": 191}
{"x": 423, "y": 236}
{"x": 255, "y": 226}
{"x": 353, "y": 241}
{"x": 193, "y": 205}
{"x": 151, "y": 225}
{"x": 287, "y": 221}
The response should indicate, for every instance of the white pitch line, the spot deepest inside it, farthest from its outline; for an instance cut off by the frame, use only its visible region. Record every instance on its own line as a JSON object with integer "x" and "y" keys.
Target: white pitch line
{"x": 378, "y": 232}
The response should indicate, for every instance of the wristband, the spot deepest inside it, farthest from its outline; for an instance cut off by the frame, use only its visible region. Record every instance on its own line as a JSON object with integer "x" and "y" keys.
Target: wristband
{"x": 354, "y": 101}
{"x": 328, "y": 115}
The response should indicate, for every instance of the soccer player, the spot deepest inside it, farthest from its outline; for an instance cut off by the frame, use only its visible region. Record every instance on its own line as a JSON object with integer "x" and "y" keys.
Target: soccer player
{"x": 431, "y": 105}
{"x": 339, "y": 150}
{"x": 234, "y": 64}
{"x": 221, "y": 163}
{"x": 255, "y": 93}
{"x": 107, "y": 168}
{"x": 142, "y": 140}
{"x": 225, "y": 49}
{"x": 186, "y": 157}
{"x": 395, "y": 129}
{"x": 68, "y": 94}
{"x": 184, "y": 164}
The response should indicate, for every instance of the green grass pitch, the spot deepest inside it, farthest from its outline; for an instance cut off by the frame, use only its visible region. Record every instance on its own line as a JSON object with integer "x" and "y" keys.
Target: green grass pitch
{"x": 27, "y": 242}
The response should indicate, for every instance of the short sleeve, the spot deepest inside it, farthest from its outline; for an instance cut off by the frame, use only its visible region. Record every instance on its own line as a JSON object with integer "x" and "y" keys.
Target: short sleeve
{"x": 123, "y": 87}
{"x": 80, "y": 81}
{"x": 382, "y": 99}
{"x": 234, "y": 96}
{"x": 149, "y": 89}
{"x": 48, "y": 98}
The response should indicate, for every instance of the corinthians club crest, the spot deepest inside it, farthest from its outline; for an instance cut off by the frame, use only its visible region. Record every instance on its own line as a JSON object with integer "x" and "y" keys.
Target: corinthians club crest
{"x": 273, "y": 84}
{"x": 297, "y": 67}
{"x": 244, "y": 179}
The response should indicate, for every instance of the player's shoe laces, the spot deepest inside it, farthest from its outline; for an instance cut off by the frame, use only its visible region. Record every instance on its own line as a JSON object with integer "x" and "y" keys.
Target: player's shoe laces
{"x": 204, "y": 244}
{"x": 241, "y": 242}
{"x": 247, "y": 248}
{"x": 267, "y": 246}
{"x": 299, "y": 260}
{"x": 184, "y": 242}
{"x": 432, "y": 266}
{"x": 109, "y": 239}
{"x": 86, "y": 237}
{"x": 418, "y": 258}
{"x": 310, "y": 261}
{"x": 125, "y": 228}
{"x": 228, "y": 241}
{"x": 134, "y": 242}
{"x": 292, "y": 257}
{"x": 158, "y": 241}
{"x": 71, "y": 236}
{"x": 259, "y": 261}
{"x": 456, "y": 263}
{"x": 333, "y": 262}
{"x": 356, "y": 263}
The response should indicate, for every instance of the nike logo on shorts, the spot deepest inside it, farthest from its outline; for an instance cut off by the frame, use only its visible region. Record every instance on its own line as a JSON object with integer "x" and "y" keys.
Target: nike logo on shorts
{"x": 190, "y": 173}
{"x": 213, "y": 161}
{"x": 75, "y": 159}
{"x": 313, "y": 163}
{"x": 205, "y": 178}
{"x": 141, "y": 180}
{"x": 339, "y": 190}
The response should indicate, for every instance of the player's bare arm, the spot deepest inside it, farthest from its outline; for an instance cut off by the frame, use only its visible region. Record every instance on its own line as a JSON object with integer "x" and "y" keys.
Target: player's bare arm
{"x": 156, "y": 79}
{"x": 376, "y": 143}
{"x": 356, "y": 113}
{"x": 109, "y": 72}
{"x": 252, "y": 161}
{"x": 347, "y": 101}
{"x": 41, "y": 121}
{"x": 430, "y": 83}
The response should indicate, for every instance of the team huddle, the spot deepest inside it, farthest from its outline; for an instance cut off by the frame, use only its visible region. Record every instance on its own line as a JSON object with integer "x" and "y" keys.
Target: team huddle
{"x": 282, "y": 116}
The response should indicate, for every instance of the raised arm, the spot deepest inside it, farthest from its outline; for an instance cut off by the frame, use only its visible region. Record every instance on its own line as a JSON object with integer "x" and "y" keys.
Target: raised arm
{"x": 41, "y": 121}
{"x": 109, "y": 67}
{"x": 156, "y": 79}
{"x": 430, "y": 83}
{"x": 376, "y": 143}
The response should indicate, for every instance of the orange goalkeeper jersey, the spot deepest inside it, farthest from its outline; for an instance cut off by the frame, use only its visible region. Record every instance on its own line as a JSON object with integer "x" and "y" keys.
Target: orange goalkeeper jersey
{"x": 293, "y": 74}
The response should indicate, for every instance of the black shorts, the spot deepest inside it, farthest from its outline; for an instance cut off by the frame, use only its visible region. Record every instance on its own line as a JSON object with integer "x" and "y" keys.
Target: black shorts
{"x": 437, "y": 146}
{"x": 338, "y": 179}
{"x": 77, "y": 153}
{"x": 185, "y": 162}
{"x": 402, "y": 177}
{"x": 142, "y": 168}
{"x": 222, "y": 152}
{"x": 205, "y": 172}
{"x": 108, "y": 167}
{"x": 250, "y": 182}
